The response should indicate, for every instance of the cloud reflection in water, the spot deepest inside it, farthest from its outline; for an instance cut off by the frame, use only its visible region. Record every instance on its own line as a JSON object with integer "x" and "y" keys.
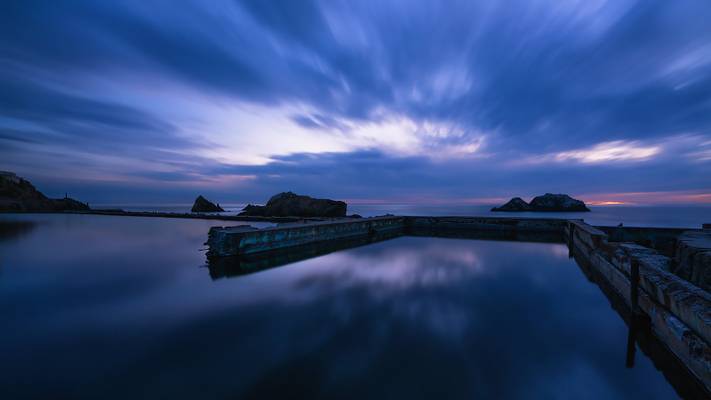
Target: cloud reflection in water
{"x": 410, "y": 317}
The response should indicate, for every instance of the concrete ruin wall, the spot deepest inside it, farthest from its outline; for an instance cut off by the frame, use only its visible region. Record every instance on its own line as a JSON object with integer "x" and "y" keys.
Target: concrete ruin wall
{"x": 242, "y": 240}
{"x": 692, "y": 258}
{"x": 679, "y": 312}
{"x": 664, "y": 240}
{"x": 489, "y": 223}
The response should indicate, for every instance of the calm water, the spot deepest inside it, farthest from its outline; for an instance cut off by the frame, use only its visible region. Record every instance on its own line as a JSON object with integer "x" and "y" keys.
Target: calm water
{"x": 113, "y": 307}
{"x": 657, "y": 216}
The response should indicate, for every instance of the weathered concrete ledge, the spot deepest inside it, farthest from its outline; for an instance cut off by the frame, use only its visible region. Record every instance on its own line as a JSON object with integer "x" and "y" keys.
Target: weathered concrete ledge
{"x": 489, "y": 224}
{"x": 244, "y": 240}
{"x": 679, "y": 312}
{"x": 686, "y": 384}
{"x": 663, "y": 240}
{"x": 692, "y": 258}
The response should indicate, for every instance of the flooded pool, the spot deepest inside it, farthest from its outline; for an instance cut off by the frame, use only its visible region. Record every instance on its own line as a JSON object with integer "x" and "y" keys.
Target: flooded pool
{"x": 118, "y": 307}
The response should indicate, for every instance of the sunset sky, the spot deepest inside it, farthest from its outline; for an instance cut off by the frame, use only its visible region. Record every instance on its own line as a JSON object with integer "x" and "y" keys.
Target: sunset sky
{"x": 412, "y": 101}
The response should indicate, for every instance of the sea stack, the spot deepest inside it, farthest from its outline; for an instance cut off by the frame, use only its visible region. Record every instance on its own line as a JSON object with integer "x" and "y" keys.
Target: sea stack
{"x": 515, "y": 204}
{"x": 549, "y": 202}
{"x": 289, "y": 204}
{"x": 202, "y": 204}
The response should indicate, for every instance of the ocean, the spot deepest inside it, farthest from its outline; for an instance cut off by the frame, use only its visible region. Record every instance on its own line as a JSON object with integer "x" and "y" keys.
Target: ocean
{"x": 654, "y": 216}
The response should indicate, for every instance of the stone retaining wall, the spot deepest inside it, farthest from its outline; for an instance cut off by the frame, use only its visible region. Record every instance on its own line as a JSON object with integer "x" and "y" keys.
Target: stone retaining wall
{"x": 693, "y": 258}
{"x": 241, "y": 240}
{"x": 489, "y": 224}
{"x": 663, "y": 240}
{"x": 244, "y": 240}
{"x": 679, "y": 312}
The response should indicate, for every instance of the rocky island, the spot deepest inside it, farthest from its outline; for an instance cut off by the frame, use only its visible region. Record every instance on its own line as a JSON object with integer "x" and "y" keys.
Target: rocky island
{"x": 289, "y": 204}
{"x": 202, "y": 204}
{"x": 19, "y": 195}
{"x": 547, "y": 202}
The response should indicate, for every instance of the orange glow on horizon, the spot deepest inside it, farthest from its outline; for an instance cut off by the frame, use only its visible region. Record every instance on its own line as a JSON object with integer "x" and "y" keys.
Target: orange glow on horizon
{"x": 608, "y": 203}
{"x": 634, "y": 198}
{"x": 597, "y": 199}
{"x": 485, "y": 201}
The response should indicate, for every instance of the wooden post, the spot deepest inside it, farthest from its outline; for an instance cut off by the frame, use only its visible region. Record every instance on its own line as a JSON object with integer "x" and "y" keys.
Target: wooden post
{"x": 634, "y": 285}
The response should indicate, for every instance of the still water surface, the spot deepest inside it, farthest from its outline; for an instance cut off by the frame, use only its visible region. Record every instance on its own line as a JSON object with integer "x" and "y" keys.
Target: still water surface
{"x": 118, "y": 307}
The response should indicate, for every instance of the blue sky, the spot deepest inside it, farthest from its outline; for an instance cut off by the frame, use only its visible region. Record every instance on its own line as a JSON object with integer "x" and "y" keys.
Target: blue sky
{"x": 414, "y": 101}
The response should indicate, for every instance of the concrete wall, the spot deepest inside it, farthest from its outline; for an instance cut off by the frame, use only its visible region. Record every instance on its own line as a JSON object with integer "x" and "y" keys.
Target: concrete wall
{"x": 489, "y": 224}
{"x": 225, "y": 242}
{"x": 660, "y": 239}
{"x": 679, "y": 312}
{"x": 514, "y": 229}
{"x": 693, "y": 258}
{"x": 231, "y": 241}
{"x": 639, "y": 334}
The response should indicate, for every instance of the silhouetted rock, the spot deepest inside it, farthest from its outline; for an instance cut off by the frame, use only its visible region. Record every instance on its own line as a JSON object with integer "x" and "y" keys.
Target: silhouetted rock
{"x": 288, "y": 204}
{"x": 515, "y": 204}
{"x": 202, "y": 204}
{"x": 19, "y": 195}
{"x": 557, "y": 202}
{"x": 253, "y": 210}
{"x": 547, "y": 202}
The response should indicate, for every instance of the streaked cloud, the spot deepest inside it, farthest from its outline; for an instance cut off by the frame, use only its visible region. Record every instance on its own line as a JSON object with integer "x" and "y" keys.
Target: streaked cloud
{"x": 614, "y": 151}
{"x": 377, "y": 99}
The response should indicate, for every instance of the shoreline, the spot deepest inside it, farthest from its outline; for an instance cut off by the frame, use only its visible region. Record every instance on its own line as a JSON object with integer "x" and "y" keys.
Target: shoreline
{"x": 178, "y": 215}
{"x": 587, "y": 216}
{"x": 598, "y": 219}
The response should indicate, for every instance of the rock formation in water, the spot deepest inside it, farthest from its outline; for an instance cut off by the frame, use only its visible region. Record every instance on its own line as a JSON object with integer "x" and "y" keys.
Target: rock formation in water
{"x": 547, "y": 202}
{"x": 289, "y": 204}
{"x": 557, "y": 202}
{"x": 19, "y": 195}
{"x": 202, "y": 204}
{"x": 515, "y": 204}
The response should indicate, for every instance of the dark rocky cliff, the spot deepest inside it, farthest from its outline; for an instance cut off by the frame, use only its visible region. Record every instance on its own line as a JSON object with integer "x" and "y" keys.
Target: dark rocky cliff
{"x": 19, "y": 195}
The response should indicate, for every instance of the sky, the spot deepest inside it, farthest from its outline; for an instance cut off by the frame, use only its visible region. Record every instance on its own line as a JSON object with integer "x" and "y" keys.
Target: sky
{"x": 368, "y": 101}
